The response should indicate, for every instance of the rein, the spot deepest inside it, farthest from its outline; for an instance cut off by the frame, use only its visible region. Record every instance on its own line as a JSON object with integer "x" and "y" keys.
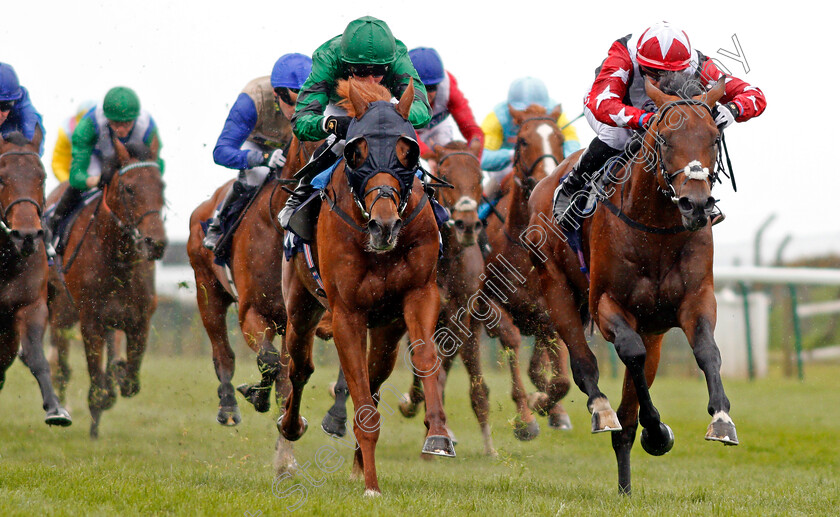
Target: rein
{"x": 4, "y": 210}
{"x": 352, "y": 224}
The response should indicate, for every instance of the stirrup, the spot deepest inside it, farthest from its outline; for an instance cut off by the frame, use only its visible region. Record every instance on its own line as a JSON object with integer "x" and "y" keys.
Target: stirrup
{"x": 212, "y": 236}
{"x": 717, "y": 217}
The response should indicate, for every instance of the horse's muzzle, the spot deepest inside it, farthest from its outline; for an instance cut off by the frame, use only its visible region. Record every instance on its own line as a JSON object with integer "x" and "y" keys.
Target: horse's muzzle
{"x": 695, "y": 212}
{"x": 466, "y": 231}
{"x": 383, "y": 234}
{"x": 26, "y": 241}
{"x": 153, "y": 248}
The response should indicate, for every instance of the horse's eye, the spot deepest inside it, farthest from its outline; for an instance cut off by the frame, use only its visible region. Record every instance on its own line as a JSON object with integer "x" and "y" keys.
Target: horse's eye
{"x": 129, "y": 190}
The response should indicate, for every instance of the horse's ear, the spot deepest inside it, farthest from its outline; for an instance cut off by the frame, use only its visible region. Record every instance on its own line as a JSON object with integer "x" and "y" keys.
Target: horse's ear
{"x": 38, "y": 136}
{"x": 557, "y": 111}
{"x": 122, "y": 152}
{"x": 655, "y": 93}
{"x": 437, "y": 150}
{"x": 360, "y": 105}
{"x": 404, "y": 106}
{"x": 154, "y": 147}
{"x": 516, "y": 115}
{"x": 715, "y": 94}
{"x": 476, "y": 147}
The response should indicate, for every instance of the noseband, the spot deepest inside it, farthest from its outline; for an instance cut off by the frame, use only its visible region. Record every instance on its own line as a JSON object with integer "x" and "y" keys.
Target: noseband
{"x": 4, "y": 211}
{"x": 528, "y": 184}
{"x": 129, "y": 229}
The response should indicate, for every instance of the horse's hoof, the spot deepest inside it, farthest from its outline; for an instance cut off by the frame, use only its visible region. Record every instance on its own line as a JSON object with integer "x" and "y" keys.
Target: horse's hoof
{"x": 334, "y": 426}
{"x": 606, "y": 420}
{"x": 256, "y": 395}
{"x": 100, "y": 398}
{"x": 538, "y": 401}
{"x": 561, "y": 422}
{"x": 229, "y": 415}
{"x": 294, "y": 437}
{"x": 439, "y": 446}
{"x": 370, "y": 492}
{"x": 59, "y": 417}
{"x": 526, "y": 432}
{"x": 94, "y": 431}
{"x": 407, "y": 407}
{"x": 129, "y": 387}
{"x": 722, "y": 431}
{"x": 658, "y": 445}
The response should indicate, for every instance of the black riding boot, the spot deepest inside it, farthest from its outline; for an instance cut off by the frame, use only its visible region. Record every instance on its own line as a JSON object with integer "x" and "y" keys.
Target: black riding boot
{"x": 68, "y": 201}
{"x": 571, "y": 198}
{"x": 214, "y": 229}
{"x": 300, "y": 194}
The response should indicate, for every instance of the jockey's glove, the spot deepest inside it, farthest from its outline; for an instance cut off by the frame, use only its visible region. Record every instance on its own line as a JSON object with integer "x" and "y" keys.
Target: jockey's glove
{"x": 337, "y": 125}
{"x": 276, "y": 159}
{"x": 256, "y": 158}
{"x": 725, "y": 114}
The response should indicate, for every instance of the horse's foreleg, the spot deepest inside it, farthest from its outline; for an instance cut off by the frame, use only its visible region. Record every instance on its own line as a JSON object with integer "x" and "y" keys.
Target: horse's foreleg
{"x": 641, "y": 357}
{"x": 102, "y": 394}
{"x": 526, "y": 427}
{"x": 699, "y": 328}
{"x": 335, "y": 421}
{"x": 259, "y": 333}
{"x": 136, "y": 338}
{"x": 213, "y": 305}
{"x": 479, "y": 393}
{"x": 421, "y": 308}
{"x": 565, "y": 314}
{"x": 58, "y": 359}
{"x": 31, "y": 322}
{"x": 350, "y": 336}
{"x": 558, "y": 385}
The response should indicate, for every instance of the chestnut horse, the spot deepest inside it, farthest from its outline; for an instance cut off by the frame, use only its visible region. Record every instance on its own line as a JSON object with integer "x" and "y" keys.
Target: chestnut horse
{"x": 648, "y": 248}
{"x": 106, "y": 280}
{"x": 23, "y": 266}
{"x": 377, "y": 249}
{"x": 255, "y": 262}
{"x": 460, "y": 269}
{"x": 511, "y": 285}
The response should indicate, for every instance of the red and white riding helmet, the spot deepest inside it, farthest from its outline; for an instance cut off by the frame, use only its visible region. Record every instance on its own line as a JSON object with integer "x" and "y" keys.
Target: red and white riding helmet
{"x": 663, "y": 47}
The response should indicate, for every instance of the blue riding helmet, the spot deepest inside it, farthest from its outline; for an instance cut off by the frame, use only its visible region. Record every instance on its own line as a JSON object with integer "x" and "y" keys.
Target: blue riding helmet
{"x": 428, "y": 64}
{"x": 291, "y": 71}
{"x": 526, "y": 91}
{"x": 10, "y": 89}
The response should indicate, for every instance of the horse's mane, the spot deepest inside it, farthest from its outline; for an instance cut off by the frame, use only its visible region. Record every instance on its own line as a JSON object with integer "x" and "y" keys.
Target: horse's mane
{"x": 370, "y": 92}
{"x": 17, "y": 138}
{"x": 457, "y": 145}
{"x": 680, "y": 85}
{"x": 535, "y": 109}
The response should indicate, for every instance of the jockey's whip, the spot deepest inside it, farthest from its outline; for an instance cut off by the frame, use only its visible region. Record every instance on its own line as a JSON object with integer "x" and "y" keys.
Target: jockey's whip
{"x": 570, "y": 122}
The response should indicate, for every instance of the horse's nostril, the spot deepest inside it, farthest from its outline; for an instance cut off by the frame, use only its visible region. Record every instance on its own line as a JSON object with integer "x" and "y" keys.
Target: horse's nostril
{"x": 685, "y": 204}
{"x": 710, "y": 203}
{"x": 459, "y": 224}
{"x": 374, "y": 227}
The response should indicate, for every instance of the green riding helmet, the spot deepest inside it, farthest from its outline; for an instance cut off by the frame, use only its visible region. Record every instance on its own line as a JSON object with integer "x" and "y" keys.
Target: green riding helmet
{"x": 121, "y": 104}
{"x": 368, "y": 40}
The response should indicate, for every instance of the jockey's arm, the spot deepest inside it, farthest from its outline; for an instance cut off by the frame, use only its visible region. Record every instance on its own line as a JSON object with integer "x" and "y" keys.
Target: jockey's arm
{"x": 605, "y": 98}
{"x": 460, "y": 109}
{"x": 61, "y": 156}
{"x": 494, "y": 157}
{"x": 239, "y": 124}
{"x": 84, "y": 140}
{"x": 749, "y": 99}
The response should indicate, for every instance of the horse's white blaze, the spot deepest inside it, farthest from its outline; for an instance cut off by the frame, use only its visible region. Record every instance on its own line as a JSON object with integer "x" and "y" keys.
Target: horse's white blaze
{"x": 465, "y": 204}
{"x": 545, "y": 131}
{"x": 722, "y": 415}
{"x": 695, "y": 171}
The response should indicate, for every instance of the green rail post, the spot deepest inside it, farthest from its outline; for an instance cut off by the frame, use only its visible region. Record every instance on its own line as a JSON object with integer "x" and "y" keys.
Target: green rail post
{"x": 747, "y": 324}
{"x": 797, "y": 331}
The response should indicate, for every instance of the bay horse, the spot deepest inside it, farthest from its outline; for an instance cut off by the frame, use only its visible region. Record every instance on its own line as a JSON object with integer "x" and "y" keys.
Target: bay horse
{"x": 377, "y": 248}
{"x": 648, "y": 249}
{"x": 107, "y": 280}
{"x": 255, "y": 260}
{"x": 23, "y": 266}
{"x": 511, "y": 286}
{"x": 460, "y": 268}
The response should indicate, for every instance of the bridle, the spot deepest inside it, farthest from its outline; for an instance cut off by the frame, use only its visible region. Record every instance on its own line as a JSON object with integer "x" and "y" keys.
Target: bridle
{"x": 668, "y": 177}
{"x": 129, "y": 229}
{"x": 529, "y": 183}
{"x": 4, "y": 210}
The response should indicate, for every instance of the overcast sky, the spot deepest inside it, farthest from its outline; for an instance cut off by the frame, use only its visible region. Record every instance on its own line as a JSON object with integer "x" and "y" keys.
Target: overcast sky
{"x": 189, "y": 60}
